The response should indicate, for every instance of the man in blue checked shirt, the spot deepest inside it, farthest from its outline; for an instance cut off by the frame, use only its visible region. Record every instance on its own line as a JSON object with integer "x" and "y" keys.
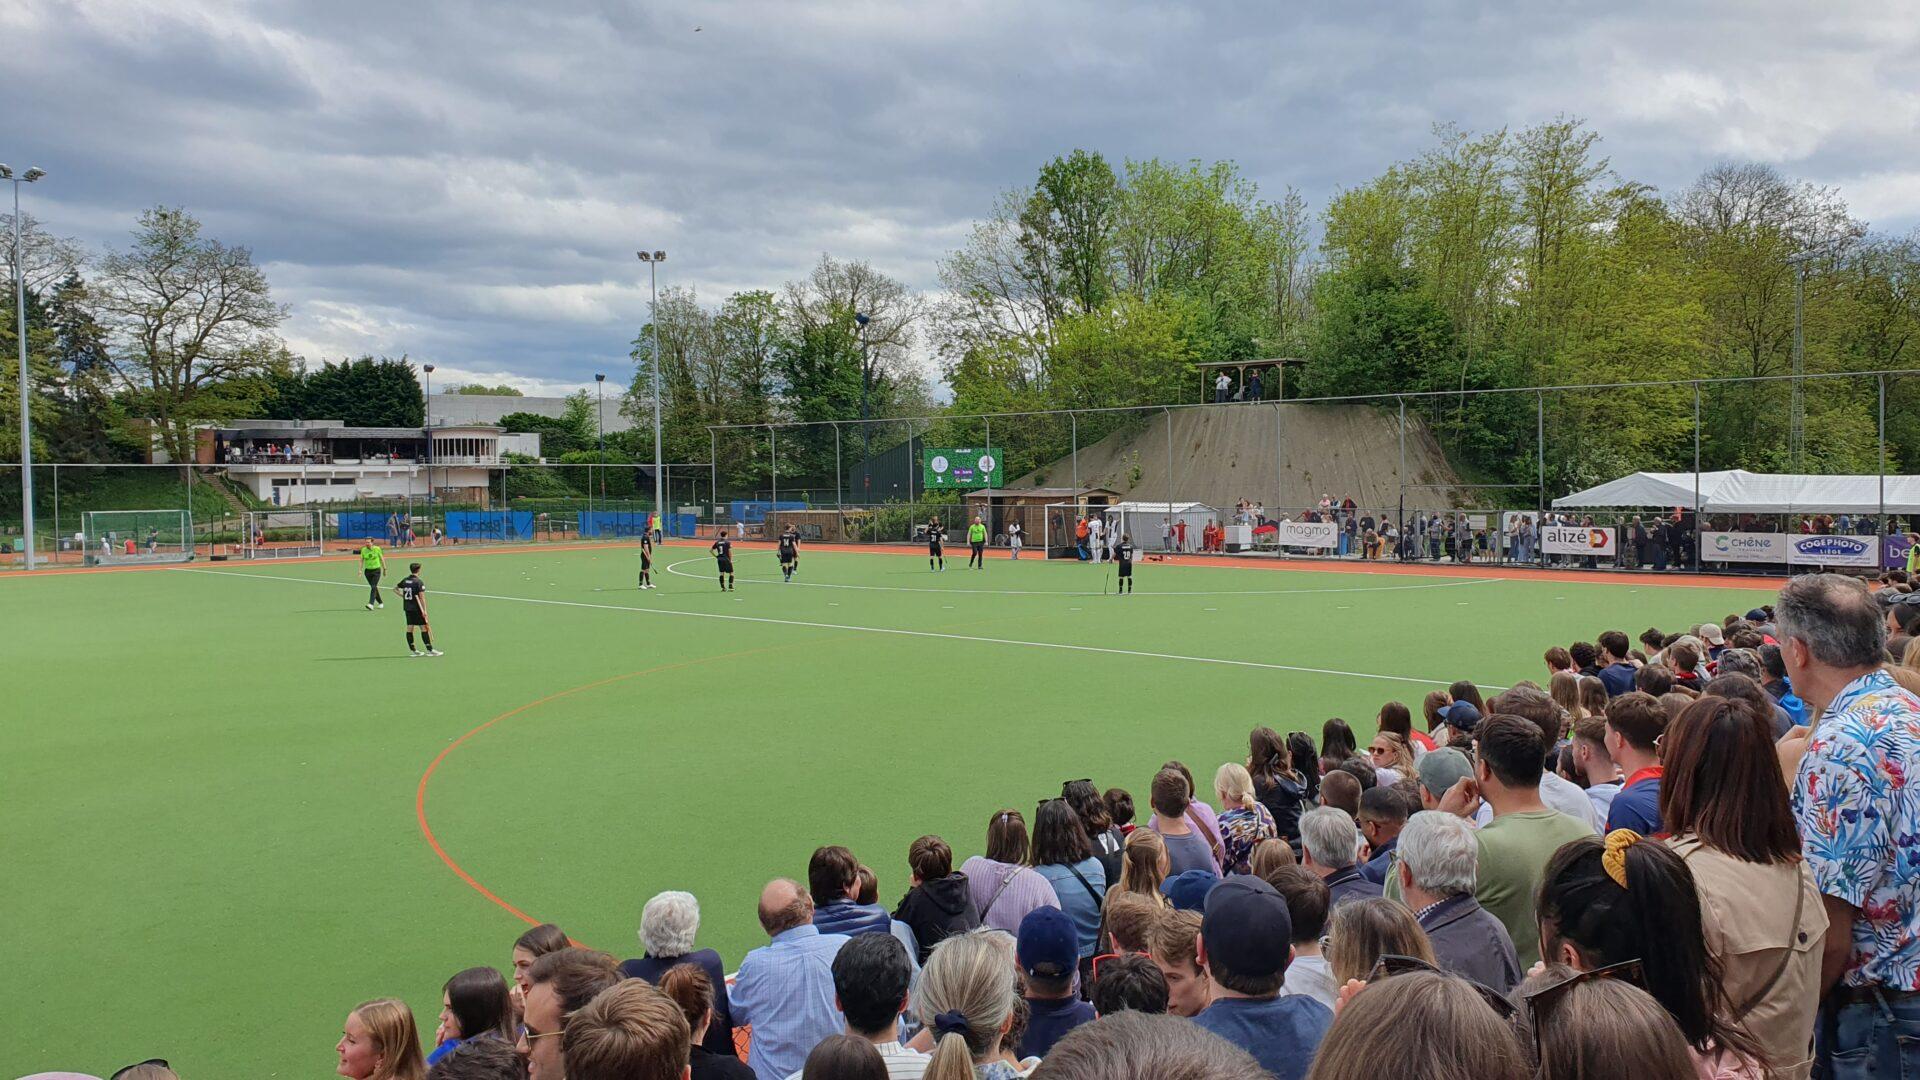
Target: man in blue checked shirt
{"x": 785, "y": 988}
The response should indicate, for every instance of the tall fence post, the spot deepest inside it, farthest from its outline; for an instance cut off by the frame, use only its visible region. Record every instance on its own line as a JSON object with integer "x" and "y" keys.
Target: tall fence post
{"x": 1279, "y": 451}
{"x": 1540, "y": 473}
{"x": 1881, "y": 380}
{"x": 1073, "y": 423}
{"x": 773, "y": 463}
{"x": 1400, "y": 506}
{"x": 1167, "y": 415}
{"x": 1696, "y": 476}
{"x": 839, "y": 498}
{"x": 56, "y": 513}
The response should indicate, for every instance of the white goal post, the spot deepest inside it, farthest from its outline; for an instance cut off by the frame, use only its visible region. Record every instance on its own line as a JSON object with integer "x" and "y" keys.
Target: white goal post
{"x": 281, "y": 534}
{"x": 135, "y": 537}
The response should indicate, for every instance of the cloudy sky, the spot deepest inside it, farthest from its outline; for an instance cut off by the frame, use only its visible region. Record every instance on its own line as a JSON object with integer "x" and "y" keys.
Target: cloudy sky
{"x": 466, "y": 183}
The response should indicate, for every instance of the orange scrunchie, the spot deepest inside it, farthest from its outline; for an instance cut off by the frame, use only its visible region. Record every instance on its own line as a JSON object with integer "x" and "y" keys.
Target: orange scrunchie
{"x": 1614, "y": 859}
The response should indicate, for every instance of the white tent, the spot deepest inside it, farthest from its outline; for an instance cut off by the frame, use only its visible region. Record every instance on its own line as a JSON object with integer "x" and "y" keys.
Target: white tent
{"x": 1737, "y": 491}
{"x": 1147, "y": 522}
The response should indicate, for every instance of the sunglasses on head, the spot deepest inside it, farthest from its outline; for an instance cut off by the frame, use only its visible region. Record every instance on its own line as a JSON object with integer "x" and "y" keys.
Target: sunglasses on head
{"x": 161, "y": 1062}
{"x": 1541, "y": 1000}
{"x": 1391, "y": 964}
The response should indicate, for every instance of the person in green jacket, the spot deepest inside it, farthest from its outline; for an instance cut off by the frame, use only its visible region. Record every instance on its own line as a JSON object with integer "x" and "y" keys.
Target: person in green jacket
{"x": 373, "y": 563}
{"x": 977, "y": 540}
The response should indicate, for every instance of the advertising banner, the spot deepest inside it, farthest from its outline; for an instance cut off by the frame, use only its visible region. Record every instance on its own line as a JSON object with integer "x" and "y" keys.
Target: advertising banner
{"x": 1747, "y": 547}
{"x": 1577, "y": 540}
{"x": 1835, "y": 551}
{"x": 1307, "y": 534}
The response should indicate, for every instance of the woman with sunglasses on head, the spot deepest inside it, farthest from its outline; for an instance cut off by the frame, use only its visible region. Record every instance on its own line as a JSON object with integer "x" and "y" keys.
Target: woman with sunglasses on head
{"x": 1392, "y": 758}
{"x": 1421, "y": 1024}
{"x": 1724, "y": 800}
{"x": 1626, "y": 899}
{"x": 1587, "y": 1027}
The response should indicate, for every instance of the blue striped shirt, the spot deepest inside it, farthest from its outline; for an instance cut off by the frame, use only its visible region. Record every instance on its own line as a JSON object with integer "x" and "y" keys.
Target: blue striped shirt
{"x": 785, "y": 990}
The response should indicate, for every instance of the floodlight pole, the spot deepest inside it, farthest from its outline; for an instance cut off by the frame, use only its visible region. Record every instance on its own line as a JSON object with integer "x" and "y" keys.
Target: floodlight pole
{"x": 653, "y": 259}
{"x": 426, "y": 424}
{"x": 20, "y": 313}
{"x": 600, "y": 425}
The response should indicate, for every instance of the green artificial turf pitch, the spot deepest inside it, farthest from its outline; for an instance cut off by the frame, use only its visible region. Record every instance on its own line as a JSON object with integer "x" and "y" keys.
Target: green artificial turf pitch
{"x": 210, "y": 773}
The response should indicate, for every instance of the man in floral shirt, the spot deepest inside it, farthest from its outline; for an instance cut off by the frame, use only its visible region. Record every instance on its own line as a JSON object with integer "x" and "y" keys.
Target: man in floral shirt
{"x": 1856, "y": 796}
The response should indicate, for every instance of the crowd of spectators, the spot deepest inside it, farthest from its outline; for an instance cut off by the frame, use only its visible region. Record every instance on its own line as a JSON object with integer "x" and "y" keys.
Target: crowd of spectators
{"x": 1694, "y": 854}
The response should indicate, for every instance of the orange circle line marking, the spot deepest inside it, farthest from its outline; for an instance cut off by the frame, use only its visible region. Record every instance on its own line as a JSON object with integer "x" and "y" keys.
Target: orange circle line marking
{"x": 420, "y": 793}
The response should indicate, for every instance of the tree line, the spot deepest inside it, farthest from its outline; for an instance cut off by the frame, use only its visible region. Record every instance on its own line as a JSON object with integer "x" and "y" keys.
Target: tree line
{"x": 1488, "y": 261}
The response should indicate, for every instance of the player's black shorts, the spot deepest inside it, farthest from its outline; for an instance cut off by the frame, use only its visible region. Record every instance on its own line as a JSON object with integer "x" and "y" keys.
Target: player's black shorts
{"x": 788, "y": 556}
{"x": 933, "y": 551}
{"x": 416, "y": 617}
{"x": 1126, "y": 569}
{"x": 726, "y": 566}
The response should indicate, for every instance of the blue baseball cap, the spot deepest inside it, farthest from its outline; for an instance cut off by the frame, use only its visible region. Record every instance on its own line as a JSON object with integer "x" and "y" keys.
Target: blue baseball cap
{"x": 1461, "y": 714}
{"x": 1188, "y": 889}
{"x": 1048, "y": 946}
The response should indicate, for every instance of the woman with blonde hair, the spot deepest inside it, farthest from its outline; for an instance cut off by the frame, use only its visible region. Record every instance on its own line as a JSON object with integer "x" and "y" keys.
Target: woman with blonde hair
{"x": 379, "y": 1042}
{"x": 1244, "y": 821}
{"x": 1392, "y": 758}
{"x": 1564, "y": 689}
{"x": 966, "y": 997}
{"x": 1360, "y": 932}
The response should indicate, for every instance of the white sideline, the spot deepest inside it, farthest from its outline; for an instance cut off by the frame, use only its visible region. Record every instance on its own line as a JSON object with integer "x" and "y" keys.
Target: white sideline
{"x": 672, "y": 568}
{"x": 933, "y": 634}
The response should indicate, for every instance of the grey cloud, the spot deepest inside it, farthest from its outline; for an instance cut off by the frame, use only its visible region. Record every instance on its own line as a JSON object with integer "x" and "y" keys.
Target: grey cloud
{"x": 467, "y": 182}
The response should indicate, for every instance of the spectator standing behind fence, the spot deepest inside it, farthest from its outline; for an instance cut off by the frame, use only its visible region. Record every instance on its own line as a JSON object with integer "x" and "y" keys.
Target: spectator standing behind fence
{"x": 1222, "y": 388}
{"x": 1329, "y": 844}
{"x": 1001, "y": 884}
{"x": 1858, "y": 808}
{"x": 833, "y": 880}
{"x": 1276, "y": 782}
{"x": 1062, "y": 854}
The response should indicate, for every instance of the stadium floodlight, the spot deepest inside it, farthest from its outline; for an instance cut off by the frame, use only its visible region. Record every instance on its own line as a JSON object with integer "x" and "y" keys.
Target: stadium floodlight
{"x": 653, "y": 259}
{"x": 20, "y": 311}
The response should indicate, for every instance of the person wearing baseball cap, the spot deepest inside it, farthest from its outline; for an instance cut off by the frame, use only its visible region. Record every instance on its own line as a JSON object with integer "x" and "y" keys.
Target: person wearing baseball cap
{"x": 1458, "y": 720}
{"x": 1048, "y": 948}
{"x": 1439, "y": 771}
{"x": 1187, "y": 890}
{"x": 1245, "y": 944}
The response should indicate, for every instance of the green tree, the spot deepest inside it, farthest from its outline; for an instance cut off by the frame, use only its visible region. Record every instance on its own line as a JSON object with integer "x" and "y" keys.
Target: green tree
{"x": 483, "y": 390}
{"x": 190, "y": 323}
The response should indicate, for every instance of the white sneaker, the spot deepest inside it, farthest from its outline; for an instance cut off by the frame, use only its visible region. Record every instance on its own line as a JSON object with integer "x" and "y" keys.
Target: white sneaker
{"x": 380, "y": 604}
{"x": 369, "y": 607}
{"x": 435, "y": 652}
{"x": 415, "y": 652}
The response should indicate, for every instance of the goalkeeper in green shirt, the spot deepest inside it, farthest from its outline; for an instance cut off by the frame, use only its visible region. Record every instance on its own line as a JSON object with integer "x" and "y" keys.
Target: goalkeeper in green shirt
{"x": 373, "y": 562}
{"x": 977, "y": 540}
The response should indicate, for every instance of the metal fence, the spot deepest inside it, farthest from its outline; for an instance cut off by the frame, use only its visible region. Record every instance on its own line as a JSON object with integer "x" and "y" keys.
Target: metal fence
{"x": 1261, "y": 470}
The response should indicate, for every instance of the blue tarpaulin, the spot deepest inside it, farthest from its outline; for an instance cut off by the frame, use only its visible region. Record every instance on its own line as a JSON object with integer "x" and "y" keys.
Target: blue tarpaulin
{"x": 360, "y": 525}
{"x": 490, "y": 524}
{"x": 755, "y": 511}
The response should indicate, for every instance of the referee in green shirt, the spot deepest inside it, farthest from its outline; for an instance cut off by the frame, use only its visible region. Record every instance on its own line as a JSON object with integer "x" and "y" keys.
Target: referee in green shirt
{"x": 977, "y": 540}
{"x": 373, "y": 562}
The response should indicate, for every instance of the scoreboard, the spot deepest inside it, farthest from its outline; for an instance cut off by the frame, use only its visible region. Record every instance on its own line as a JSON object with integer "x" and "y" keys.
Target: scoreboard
{"x": 960, "y": 467}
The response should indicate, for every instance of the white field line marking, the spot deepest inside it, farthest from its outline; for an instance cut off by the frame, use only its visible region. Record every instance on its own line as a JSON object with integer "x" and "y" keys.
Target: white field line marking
{"x": 672, "y": 568}
{"x": 931, "y": 634}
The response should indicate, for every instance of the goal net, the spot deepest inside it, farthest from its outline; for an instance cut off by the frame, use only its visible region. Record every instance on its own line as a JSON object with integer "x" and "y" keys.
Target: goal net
{"x": 281, "y": 534}
{"x": 122, "y": 537}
